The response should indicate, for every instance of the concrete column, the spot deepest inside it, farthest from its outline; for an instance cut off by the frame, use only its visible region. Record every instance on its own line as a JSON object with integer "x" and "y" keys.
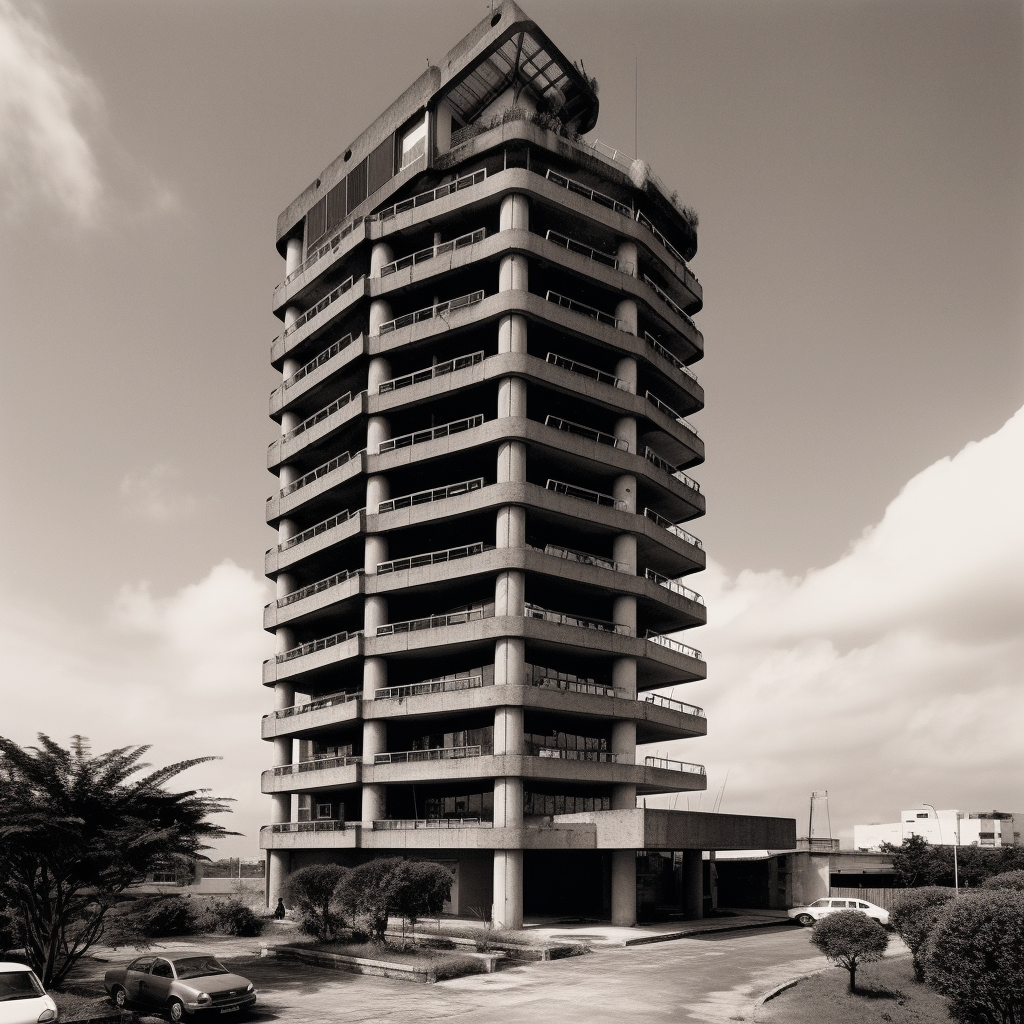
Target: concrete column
{"x": 514, "y": 274}
{"x": 380, "y": 313}
{"x": 284, "y": 637}
{"x": 507, "y": 909}
{"x": 380, "y": 255}
{"x": 288, "y": 476}
{"x": 624, "y": 888}
{"x": 375, "y": 677}
{"x": 624, "y": 492}
{"x": 291, "y": 314}
{"x": 280, "y": 807}
{"x": 277, "y": 873}
{"x": 375, "y": 740}
{"x": 624, "y": 612}
{"x": 624, "y": 677}
{"x": 508, "y": 802}
{"x": 510, "y": 661}
{"x": 624, "y": 553}
{"x": 377, "y": 490}
{"x": 693, "y": 884}
{"x": 624, "y": 742}
{"x": 512, "y": 462}
{"x": 285, "y": 530}
{"x": 625, "y": 430}
{"x": 284, "y": 696}
{"x": 289, "y": 367}
{"x": 378, "y": 430}
{"x": 515, "y": 213}
{"x": 508, "y": 732}
{"x": 378, "y": 371}
{"x": 512, "y": 333}
{"x": 375, "y": 613}
{"x": 512, "y": 397}
{"x": 625, "y": 369}
{"x": 375, "y": 549}
{"x": 292, "y": 256}
{"x": 625, "y": 313}
{"x": 629, "y": 262}
{"x": 510, "y": 593}
{"x": 284, "y": 584}
{"x": 510, "y": 531}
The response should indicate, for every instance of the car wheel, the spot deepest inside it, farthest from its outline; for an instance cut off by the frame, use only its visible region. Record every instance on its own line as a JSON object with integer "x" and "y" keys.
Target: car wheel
{"x": 176, "y": 1011}
{"x": 120, "y": 997}
{"x": 805, "y": 920}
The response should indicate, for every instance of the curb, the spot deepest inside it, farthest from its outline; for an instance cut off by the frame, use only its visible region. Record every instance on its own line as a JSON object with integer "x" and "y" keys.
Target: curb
{"x": 709, "y": 930}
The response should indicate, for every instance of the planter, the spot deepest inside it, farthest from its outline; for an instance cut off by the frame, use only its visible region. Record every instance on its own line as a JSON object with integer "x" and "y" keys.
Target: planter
{"x": 425, "y": 974}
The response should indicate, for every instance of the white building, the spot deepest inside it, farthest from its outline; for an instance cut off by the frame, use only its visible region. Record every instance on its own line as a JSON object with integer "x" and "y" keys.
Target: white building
{"x": 944, "y": 828}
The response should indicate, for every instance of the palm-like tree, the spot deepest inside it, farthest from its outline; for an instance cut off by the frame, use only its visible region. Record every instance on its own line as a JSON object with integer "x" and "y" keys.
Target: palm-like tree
{"x": 77, "y": 829}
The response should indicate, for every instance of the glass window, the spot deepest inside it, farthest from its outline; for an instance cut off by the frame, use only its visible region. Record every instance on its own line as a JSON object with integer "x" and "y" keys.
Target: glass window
{"x": 162, "y": 969}
{"x": 198, "y": 967}
{"x": 414, "y": 143}
{"x": 842, "y": 904}
{"x": 820, "y": 903}
{"x": 19, "y": 985}
{"x": 323, "y": 810}
{"x": 864, "y": 906}
{"x": 143, "y": 964}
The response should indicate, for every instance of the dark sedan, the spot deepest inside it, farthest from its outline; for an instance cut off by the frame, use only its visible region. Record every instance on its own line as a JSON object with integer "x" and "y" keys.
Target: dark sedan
{"x": 183, "y": 984}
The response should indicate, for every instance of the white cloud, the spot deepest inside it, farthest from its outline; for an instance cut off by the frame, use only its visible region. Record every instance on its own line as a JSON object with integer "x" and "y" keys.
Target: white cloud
{"x": 895, "y": 674}
{"x": 156, "y": 495}
{"x": 43, "y": 150}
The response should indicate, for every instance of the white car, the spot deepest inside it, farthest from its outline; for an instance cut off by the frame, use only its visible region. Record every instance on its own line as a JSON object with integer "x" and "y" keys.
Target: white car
{"x": 23, "y": 1000}
{"x": 822, "y": 908}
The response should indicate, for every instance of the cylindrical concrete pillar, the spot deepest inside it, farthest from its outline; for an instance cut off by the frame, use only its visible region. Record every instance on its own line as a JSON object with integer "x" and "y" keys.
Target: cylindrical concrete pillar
{"x": 624, "y": 888}
{"x": 277, "y": 874}
{"x": 626, "y": 370}
{"x": 512, "y": 333}
{"x": 624, "y": 553}
{"x": 375, "y": 677}
{"x": 624, "y": 741}
{"x": 292, "y": 256}
{"x": 380, "y": 255}
{"x": 375, "y": 613}
{"x": 375, "y": 738}
{"x": 289, "y": 421}
{"x": 513, "y": 273}
{"x": 377, "y": 372}
{"x": 378, "y": 430}
{"x": 624, "y": 678}
{"x": 291, "y": 314}
{"x": 624, "y": 612}
{"x": 512, "y": 462}
{"x": 288, "y": 475}
{"x": 510, "y": 531}
{"x": 375, "y": 549}
{"x": 285, "y": 531}
{"x": 284, "y": 696}
{"x": 510, "y": 593}
{"x": 508, "y": 802}
{"x": 507, "y": 910}
{"x": 625, "y": 430}
{"x": 628, "y": 257}
{"x": 625, "y": 313}
{"x": 624, "y": 492}
{"x": 512, "y": 397}
{"x": 380, "y": 313}
{"x": 374, "y": 802}
{"x": 284, "y": 585}
{"x": 284, "y": 637}
{"x": 693, "y": 884}
{"x": 289, "y": 367}
{"x": 515, "y": 213}
{"x": 508, "y": 730}
{"x": 282, "y": 750}
{"x": 377, "y": 490}
{"x": 280, "y": 807}
{"x": 510, "y": 661}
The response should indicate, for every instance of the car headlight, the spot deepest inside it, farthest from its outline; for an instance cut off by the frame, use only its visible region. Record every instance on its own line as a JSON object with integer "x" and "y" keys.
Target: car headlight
{"x": 203, "y": 997}
{"x": 250, "y": 988}
{"x": 46, "y": 1015}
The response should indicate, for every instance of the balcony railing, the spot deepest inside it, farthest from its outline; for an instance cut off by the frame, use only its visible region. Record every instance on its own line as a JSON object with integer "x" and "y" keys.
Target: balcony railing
{"x": 430, "y": 754}
{"x": 327, "y": 825}
{"x": 670, "y": 412}
{"x": 582, "y": 308}
{"x": 318, "y": 361}
{"x": 675, "y": 766}
{"x": 588, "y": 432}
{"x": 433, "y": 558}
{"x": 641, "y": 219}
{"x": 574, "y": 685}
{"x": 535, "y": 611}
{"x": 434, "y": 251}
{"x": 389, "y": 824}
{"x": 319, "y": 587}
{"x": 668, "y": 300}
{"x": 584, "y": 558}
{"x": 317, "y": 764}
{"x": 429, "y": 312}
{"x": 589, "y": 371}
{"x": 428, "y": 197}
{"x": 663, "y": 464}
{"x": 674, "y": 585}
{"x": 676, "y": 531}
{"x": 315, "y": 531}
{"x": 330, "y": 297}
{"x": 322, "y": 250}
{"x": 673, "y": 645}
{"x": 431, "y": 434}
{"x": 433, "y": 622}
{"x": 583, "y": 493}
{"x": 439, "y": 370}
{"x": 449, "y": 685}
{"x": 674, "y": 705}
{"x": 436, "y": 494}
{"x": 665, "y": 354}
{"x": 316, "y": 645}
{"x": 582, "y": 250}
{"x": 313, "y": 475}
{"x": 589, "y": 193}
{"x": 330, "y": 701}
{"x": 604, "y": 756}
{"x": 312, "y": 421}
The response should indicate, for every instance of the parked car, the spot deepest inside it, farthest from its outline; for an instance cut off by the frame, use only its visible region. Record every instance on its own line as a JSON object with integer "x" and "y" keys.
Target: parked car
{"x": 182, "y": 984}
{"x": 821, "y": 908}
{"x": 23, "y": 1000}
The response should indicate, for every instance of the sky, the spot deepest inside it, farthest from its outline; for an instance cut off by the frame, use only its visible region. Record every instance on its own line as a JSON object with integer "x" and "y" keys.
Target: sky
{"x": 858, "y": 170}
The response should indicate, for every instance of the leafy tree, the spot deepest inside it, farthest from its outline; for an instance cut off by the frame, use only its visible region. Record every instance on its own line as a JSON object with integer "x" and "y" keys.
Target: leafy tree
{"x": 914, "y": 916}
{"x": 915, "y": 862}
{"x": 311, "y": 891}
{"x": 848, "y": 939}
{"x": 421, "y": 890}
{"x": 1007, "y": 880}
{"x": 76, "y": 830}
{"x": 370, "y": 891}
{"x": 976, "y": 957}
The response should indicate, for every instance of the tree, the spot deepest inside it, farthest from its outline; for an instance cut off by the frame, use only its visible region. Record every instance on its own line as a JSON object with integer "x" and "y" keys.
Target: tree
{"x": 76, "y": 830}
{"x": 848, "y": 939}
{"x": 915, "y": 862}
{"x": 976, "y": 957}
{"x": 914, "y": 916}
{"x": 421, "y": 890}
{"x": 370, "y": 891}
{"x": 311, "y": 890}
{"x": 1007, "y": 880}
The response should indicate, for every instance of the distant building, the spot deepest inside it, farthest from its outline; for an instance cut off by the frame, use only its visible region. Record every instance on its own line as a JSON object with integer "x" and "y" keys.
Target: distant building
{"x": 942, "y": 828}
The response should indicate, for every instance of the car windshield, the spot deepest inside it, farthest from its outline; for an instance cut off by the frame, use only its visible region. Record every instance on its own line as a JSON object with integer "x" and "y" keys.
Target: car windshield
{"x": 820, "y": 903}
{"x": 19, "y": 985}
{"x": 198, "y": 967}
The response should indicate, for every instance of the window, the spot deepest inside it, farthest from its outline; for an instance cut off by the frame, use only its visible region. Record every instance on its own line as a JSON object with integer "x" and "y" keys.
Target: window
{"x": 864, "y": 906}
{"x": 414, "y": 143}
{"x": 162, "y": 969}
{"x": 820, "y": 903}
{"x": 839, "y": 904}
{"x": 923, "y": 815}
{"x": 142, "y": 965}
{"x": 323, "y": 810}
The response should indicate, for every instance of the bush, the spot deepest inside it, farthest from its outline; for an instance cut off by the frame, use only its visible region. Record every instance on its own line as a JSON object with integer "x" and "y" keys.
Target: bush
{"x": 457, "y": 966}
{"x": 914, "y": 916}
{"x": 976, "y": 957}
{"x": 1007, "y": 880}
{"x": 312, "y": 892}
{"x": 233, "y": 917}
{"x": 369, "y": 892}
{"x": 135, "y": 922}
{"x": 848, "y": 939}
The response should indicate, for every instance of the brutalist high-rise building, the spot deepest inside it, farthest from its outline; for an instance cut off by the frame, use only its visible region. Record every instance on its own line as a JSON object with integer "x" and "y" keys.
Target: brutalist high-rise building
{"x": 482, "y": 505}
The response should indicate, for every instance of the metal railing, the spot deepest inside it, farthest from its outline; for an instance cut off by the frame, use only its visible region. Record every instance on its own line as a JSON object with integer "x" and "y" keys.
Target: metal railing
{"x": 328, "y": 467}
{"x": 675, "y": 766}
{"x": 331, "y": 297}
{"x": 323, "y": 527}
{"x": 315, "y": 363}
{"x": 535, "y": 611}
{"x": 433, "y": 251}
{"x": 430, "y": 754}
{"x": 450, "y": 685}
{"x": 317, "y": 764}
{"x": 327, "y": 825}
{"x": 624, "y": 160}
{"x": 669, "y": 411}
{"x": 674, "y": 705}
{"x": 604, "y": 756}
{"x": 573, "y": 366}
{"x": 316, "y": 645}
{"x": 668, "y": 300}
{"x": 589, "y": 193}
{"x": 438, "y": 370}
{"x": 645, "y": 221}
{"x": 674, "y": 585}
{"x": 330, "y": 701}
{"x": 316, "y": 588}
{"x": 588, "y": 432}
{"x": 435, "y": 494}
{"x": 429, "y": 312}
{"x": 673, "y": 645}
{"x": 322, "y": 250}
{"x": 433, "y": 622}
{"x": 671, "y": 527}
{"x": 665, "y": 354}
{"x": 428, "y": 197}
{"x": 312, "y": 421}
{"x": 433, "y": 557}
{"x": 582, "y": 250}
{"x": 575, "y": 685}
{"x": 431, "y": 433}
{"x": 585, "y": 494}
{"x": 584, "y": 558}
{"x": 663, "y": 464}
{"x": 582, "y": 308}
{"x": 388, "y": 824}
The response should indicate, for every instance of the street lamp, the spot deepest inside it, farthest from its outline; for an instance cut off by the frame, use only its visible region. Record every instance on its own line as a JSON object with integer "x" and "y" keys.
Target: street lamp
{"x": 956, "y": 842}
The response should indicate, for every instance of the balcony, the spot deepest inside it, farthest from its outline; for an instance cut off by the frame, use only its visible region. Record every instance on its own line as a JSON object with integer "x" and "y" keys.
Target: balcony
{"x": 448, "y": 684}
{"x": 323, "y": 527}
{"x": 674, "y": 645}
{"x": 665, "y": 354}
{"x": 589, "y": 193}
{"x": 431, "y": 434}
{"x": 330, "y": 701}
{"x": 323, "y": 250}
{"x": 433, "y": 558}
{"x": 318, "y": 764}
{"x": 435, "y": 494}
{"x": 583, "y": 250}
{"x": 602, "y": 756}
{"x": 429, "y": 754}
{"x": 584, "y": 558}
{"x": 674, "y": 766}
{"x": 674, "y": 705}
{"x": 663, "y": 464}
{"x": 670, "y": 412}
{"x": 392, "y": 824}
{"x": 327, "y": 825}
{"x": 430, "y": 312}
{"x": 433, "y": 252}
{"x": 673, "y": 305}
{"x": 327, "y": 300}
{"x": 318, "y": 587}
{"x": 589, "y": 432}
{"x": 589, "y": 371}
{"x": 428, "y": 197}
{"x": 584, "y": 494}
{"x": 440, "y": 370}
{"x": 315, "y": 645}
{"x": 317, "y": 417}
{"x": 434, "y": 622}
{"x": 671, "y": 527}
{"x": 328, "y": 467}
{"x": 315, "y": 364}
{"x": 673, "y": 585}
{"x": 534, "y": 611}
{"x": 573, "y": 685}
{"x": 584, "y": 310}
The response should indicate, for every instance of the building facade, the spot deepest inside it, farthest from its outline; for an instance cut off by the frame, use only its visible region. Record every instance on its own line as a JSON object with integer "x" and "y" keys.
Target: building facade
{"x": 942, "y": 828}
{"x": 482, "y": 501}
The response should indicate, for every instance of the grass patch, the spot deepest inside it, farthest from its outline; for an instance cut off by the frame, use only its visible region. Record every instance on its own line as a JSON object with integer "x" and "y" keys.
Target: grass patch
{"x": 444, "y": 964}
{"x": 481, "y": 935}
{"x": 74, "y": 1006}
{"x": 886, "y": 994}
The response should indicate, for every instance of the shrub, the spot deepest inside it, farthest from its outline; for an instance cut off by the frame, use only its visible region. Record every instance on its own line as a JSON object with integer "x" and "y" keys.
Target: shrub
{"x": 976, "y": 957}
{"x": 1007, "y": 880}
{"x": 457, "y": 966}
{"x": 233, "y": 917}
{"x": 848, "y": 939}
{"x": 311, "y": 891}
{"x": 421, "y": 890}
{"x": 914, "y": 916}
{"x": 369, "y": 891}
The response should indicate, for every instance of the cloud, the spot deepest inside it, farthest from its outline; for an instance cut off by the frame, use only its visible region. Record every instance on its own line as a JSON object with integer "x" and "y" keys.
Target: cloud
{"x": 43, "y": 150}
{"x": 155, "y": 494}
{"x": 893, "y": 675}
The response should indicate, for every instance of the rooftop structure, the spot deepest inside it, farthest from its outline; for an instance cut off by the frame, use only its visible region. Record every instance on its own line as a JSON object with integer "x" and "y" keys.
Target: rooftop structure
{"x": 483, "y": 502}
{"x": 942, "y": 828}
